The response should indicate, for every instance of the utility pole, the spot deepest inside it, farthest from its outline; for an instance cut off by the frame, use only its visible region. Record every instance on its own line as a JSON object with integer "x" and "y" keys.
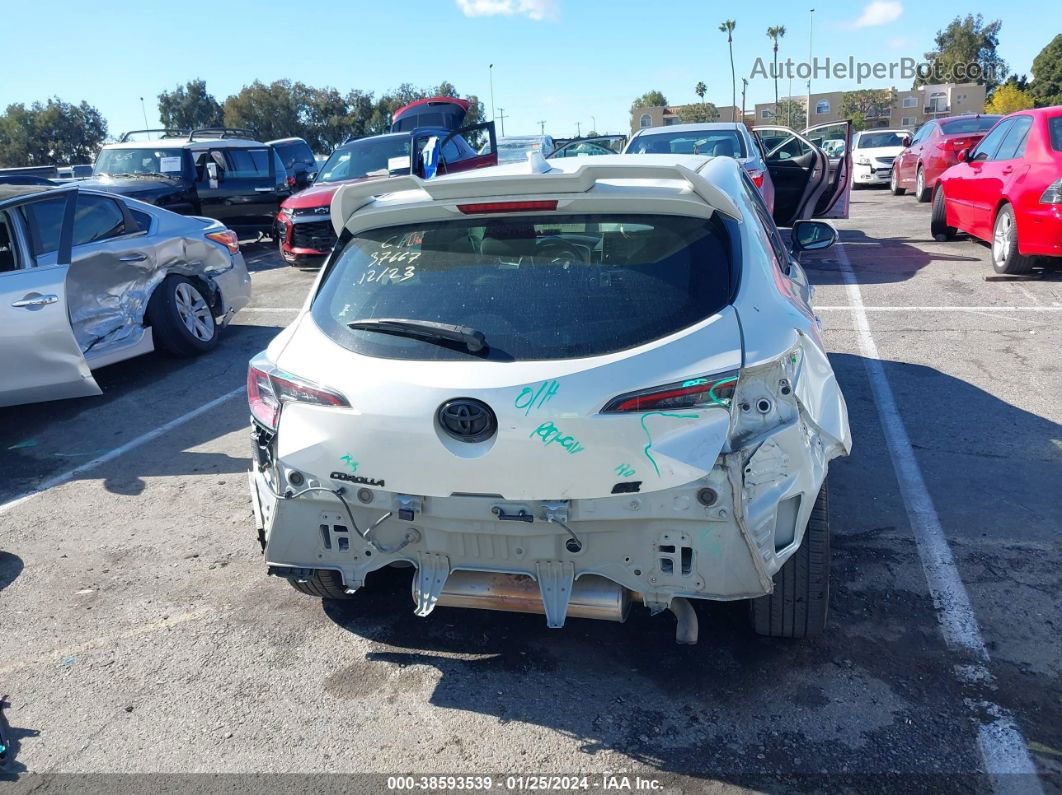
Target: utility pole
{"x": 578, "y": 129}
{"x": 594, "y": 120}
{"x": 744, "y": 86}
{"x": 789, "y": 104}
{"x": 811, "y": 63}
{"x": 542, "y": 126}
{"x": 492, "y": 92}
{"x": 143, "y": 110}
{"x": 501, "y": 118}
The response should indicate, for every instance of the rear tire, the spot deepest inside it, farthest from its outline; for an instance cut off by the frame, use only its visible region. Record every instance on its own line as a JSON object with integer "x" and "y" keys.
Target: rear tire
{"x": 938, "y": 225}
{"x": 181, "y": 318}
{"x": 921, "y": 192}
{"x": 324, "y": 584}
{"x": 894, "y": 184}
{"x": 797, "y": 608}
{"x": 1005, "y": 256}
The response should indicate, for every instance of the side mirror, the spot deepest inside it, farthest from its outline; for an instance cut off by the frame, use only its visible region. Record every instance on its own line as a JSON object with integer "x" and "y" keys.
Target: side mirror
{"x": 964, "y": 155}
{"x": 812, "y": 236}
{"x": 906, "y": 140}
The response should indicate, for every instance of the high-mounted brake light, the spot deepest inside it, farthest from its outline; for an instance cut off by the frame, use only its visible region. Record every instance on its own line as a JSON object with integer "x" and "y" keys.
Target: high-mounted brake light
{"x": 481, "y": 208}
{"x": 267, "y": 391}
{"x": 227, "y": 238}
{"x": 700, "y": 392}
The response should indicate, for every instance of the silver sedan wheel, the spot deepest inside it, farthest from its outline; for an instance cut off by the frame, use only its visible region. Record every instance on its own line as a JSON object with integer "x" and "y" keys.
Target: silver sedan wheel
{"x": 194, "y": 312}
{"x": 1002, "y": 238}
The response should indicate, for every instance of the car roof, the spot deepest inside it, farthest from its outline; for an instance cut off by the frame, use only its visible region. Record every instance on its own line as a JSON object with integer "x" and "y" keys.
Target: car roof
{"x": 292, "y": 140}
{"x": 707, "y": 126}
{"x": 882, "y": 130}
{"x": 184, "y": 143}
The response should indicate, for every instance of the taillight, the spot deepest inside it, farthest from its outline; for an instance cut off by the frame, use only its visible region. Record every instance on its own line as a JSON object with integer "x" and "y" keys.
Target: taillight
{"x": 507, "y": 207}
{"x": 267, "y": 391}
{"x": 958, "y": 144}
{"x": 757, "y": 177}
{"x": 1053, "y": 194}
{"x": 700, "y": 392}
{"x": 227, "y": 238}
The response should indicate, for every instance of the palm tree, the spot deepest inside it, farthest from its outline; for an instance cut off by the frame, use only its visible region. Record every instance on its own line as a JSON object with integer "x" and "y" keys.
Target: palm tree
{"x": 728, "y": 28}
{"x": 700, "y": 90}
{"x": 775, "y": 33}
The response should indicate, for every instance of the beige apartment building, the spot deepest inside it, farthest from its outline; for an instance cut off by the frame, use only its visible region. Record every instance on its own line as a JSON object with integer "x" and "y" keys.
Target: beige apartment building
{"x": 908, "y": 109}
{"x": 665, "y": 116}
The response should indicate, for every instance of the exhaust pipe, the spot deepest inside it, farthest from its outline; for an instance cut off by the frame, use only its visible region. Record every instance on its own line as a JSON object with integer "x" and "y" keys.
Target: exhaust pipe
{"x": 592, "y": 596}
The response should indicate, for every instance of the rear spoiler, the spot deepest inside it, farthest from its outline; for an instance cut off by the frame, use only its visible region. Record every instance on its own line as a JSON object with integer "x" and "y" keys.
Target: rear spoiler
{"x": 351, "y": 198}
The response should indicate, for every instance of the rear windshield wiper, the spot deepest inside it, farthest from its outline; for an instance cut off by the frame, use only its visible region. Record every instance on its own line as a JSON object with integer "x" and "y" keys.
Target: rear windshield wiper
{"x": 424, "y": 329}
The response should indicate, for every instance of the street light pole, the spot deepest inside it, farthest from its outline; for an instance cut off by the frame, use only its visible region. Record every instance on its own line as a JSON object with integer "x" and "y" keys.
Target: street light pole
{"x": 744, "y": 87}
{"x": 811, "y": 62}
{"x": 578, "y": 129}
{"x": 144, "y": 111}
{"x": 491, "y": 92}
{"x": 593, "y": 118}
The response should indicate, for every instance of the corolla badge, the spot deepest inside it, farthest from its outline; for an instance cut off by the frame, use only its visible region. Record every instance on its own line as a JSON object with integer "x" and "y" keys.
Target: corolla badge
{"x": 467, "y": 419}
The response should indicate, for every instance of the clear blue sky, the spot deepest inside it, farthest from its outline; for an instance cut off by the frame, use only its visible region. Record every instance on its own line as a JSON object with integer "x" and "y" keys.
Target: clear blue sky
{"x": 564, "y": 61}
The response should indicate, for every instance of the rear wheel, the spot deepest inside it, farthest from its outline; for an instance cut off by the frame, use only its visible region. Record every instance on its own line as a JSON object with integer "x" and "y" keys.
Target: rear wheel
{"x": 1005, "y": 256}
{"x": 921, "y": 192}
{"x": 181, "y": 318}
{"x": 324, "y": 584}
{"x": 894, "y": 184}
{"x": 797, "y": 607}
{"x": 938, "y": 225}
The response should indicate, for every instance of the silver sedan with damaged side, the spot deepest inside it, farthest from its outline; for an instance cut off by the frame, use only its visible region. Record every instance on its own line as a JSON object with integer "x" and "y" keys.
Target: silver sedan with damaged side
{"x": 88, "y": 279}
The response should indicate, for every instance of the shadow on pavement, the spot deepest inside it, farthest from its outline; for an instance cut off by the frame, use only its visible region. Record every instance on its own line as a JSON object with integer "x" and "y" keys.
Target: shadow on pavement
{"x": 876, "y": 260}
{"x": 10, "y": 568}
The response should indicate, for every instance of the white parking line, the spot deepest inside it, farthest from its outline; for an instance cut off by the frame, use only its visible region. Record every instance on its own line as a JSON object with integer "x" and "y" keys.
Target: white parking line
{"x": 1038, "y": 308}
{"x": 70, "y": 474}
{"x": 1002, "y": 746}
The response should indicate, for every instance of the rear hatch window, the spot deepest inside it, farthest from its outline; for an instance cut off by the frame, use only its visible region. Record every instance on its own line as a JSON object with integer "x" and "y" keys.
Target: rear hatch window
{"x": 979, "y": 124}
{"x": 536, "y": 287}
{"x": 725, "y": 143}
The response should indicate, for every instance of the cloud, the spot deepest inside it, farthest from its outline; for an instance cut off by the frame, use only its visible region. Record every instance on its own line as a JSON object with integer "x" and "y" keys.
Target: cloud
{"x": 537, "y": 10}
{"x": 879, "y": 12}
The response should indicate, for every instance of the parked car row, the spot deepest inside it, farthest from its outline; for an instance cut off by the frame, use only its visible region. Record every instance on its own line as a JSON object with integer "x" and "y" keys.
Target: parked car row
{"x": 996, "y": 178}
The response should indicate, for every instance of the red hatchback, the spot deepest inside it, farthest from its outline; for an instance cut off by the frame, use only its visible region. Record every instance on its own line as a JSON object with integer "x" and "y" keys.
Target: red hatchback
{"x": 934, "y": 149}
{"x": 1008, "y": 191}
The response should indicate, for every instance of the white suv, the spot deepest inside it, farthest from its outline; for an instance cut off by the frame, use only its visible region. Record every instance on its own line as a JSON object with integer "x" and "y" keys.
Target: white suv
{"x": 556, "y": 387}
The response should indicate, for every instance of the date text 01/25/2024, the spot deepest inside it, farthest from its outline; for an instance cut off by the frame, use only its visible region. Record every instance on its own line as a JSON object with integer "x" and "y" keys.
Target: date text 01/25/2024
{"x": 525, "y": 783}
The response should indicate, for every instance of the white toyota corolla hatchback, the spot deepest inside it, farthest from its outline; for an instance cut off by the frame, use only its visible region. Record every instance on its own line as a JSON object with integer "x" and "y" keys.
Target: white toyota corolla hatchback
{"x": 559, "y": 388}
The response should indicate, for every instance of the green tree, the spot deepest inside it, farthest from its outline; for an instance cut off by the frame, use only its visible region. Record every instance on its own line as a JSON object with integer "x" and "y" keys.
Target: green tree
{"x": 54, "y": 133}
{"x": 792, "y": 113}
{"x": 727, "y": 27}
{"x": 189, "y": 106}
{"x": 650, "y": 99}
{"x": 277, "y": 110}
{"x": 702, "y": 112}
{"x": 866, "y": 104}
{"x": 1046, "y": 85}
{"x": 965, "y": 52}
{"x": 774, "y": 33}
{"x": 1009, "y": 98}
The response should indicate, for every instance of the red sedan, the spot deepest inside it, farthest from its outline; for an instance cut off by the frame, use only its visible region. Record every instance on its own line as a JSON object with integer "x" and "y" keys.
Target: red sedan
{"x": 1008, "y": 191}
{"x": 934, "y": 149}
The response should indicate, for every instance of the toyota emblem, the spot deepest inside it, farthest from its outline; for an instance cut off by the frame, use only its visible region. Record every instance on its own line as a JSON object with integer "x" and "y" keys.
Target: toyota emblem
{"x": 467, "y": 419}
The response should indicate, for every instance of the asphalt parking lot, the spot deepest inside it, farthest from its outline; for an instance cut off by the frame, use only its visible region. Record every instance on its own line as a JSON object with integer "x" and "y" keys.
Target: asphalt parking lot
{"x": 140, "y": 632}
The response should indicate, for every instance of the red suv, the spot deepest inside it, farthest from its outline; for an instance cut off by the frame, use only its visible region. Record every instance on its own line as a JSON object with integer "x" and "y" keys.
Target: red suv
{"x": 935, "y": 148}
{"x": 305, "y": 233}
{"x": 1008, "y": 191}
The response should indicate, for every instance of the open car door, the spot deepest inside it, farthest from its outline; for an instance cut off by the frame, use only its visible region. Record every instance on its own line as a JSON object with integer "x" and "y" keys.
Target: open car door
{"x": 808, "y": 182}
{"x": 471, "y": 147}
{"x": 39, "y": 357}
{"x": 835, "y": 140}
